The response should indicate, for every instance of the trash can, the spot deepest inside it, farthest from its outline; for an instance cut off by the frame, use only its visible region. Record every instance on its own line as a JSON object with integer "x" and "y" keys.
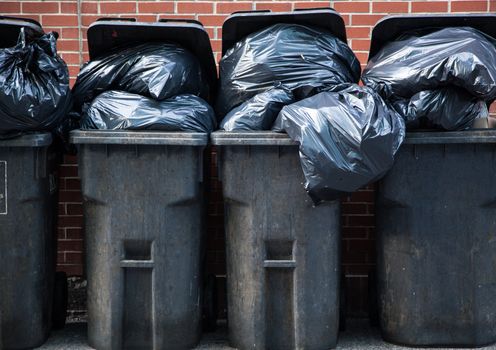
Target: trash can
{"x": 28, "y": 232}
{"x": 436, "y": 225}
{"x": 144, "y": 213}
{"x": 282, "y": 252}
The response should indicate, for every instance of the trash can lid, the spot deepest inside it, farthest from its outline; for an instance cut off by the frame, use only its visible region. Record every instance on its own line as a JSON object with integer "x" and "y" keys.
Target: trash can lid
{"x": 42, "y": 139}
{"x": 138, "y": 138}
{"x": 108, "y": 33}
{"x": 251, "y": 138}
{"x": 240, "y": 24}
{"x": 391, "y": 27}
{"x": 10, "y": 27}
{"x": 451, "y": 137}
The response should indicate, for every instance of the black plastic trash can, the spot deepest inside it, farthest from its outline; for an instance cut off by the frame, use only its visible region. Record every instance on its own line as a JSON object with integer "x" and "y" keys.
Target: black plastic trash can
{"x": 436, "y": 225}
{"x": 144, "y": 214}
{"x": 28, "y": 232}
{"x": 282, "y": 253}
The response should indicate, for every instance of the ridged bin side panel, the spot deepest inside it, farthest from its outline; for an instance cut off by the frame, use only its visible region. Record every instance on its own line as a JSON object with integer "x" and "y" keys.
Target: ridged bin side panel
{"x": 144, "y": 226}
{"x": 27, "y": 245}
{"x": 282, "y": 253}
{"x": 436, "y": 224}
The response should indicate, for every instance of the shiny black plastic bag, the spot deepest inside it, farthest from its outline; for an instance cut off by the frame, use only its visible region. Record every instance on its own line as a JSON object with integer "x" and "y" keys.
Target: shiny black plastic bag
{"x": 34, "y": 86}
{"x": 259, "y": 112}
{"x": 408, "y": 71}
{"x": 156, "y": 70}
{"x": 117, "y": 110}
{"x": 288, "y": 54}
{"x": 348, "y": 138}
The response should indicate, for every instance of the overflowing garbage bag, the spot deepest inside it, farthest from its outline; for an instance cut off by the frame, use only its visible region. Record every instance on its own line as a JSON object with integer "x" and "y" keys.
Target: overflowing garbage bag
{"x": 431, "y": 76}
{"x": 34, "y": 86}
{"x": 348, "y": 138}
{"x": 259, "y": 112}
{"x": 151, "y": 86}
{"x": 157, "y": 70}
{"x": 114, "y": 110}
{"x": 289, "y": 54}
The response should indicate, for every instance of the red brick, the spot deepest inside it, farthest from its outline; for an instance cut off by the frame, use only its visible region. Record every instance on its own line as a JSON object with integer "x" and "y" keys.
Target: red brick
{"x": 274, "y": 6}
{"x": 213, "y": 20}
{"x": 360, "y": 44}
{"x": 86, "y": 20}
{"x": 155, "y": 7}
{"x": 68, "y": 45}
{"x": 362, "y": 220}
{"x": 117, "y": 7}
{"x": 59, "y": 20}
{"x": 351, "y": 232}
{"x": 74, "y": 209}
{"x": 69, "y": 33}
{"x": 40, "y": 7}
{"x": 89, "y": 7}
{"x": 492, "y": 5}
{"x": 68, "y": 171}
{"x": 358, "y": 32}
{"x": 492, "y": 108}
{"x": 70, "y": 197}
{"x": 389, "y": 7}
{"x": 60, "y": 258}
{"x": 74, "y": 258}
{"x": 352, "y": 6}
{"x": 68, "y": 7}
{"x": 313, "y": 4}
{"x": 10, "y": 7}
{"x": 195, "y": 7}
{"x": 146, "y": 18}
{"x": 70, "y": 245}
{"x": 70, "y": 221}
{"x": 365, "y": 20}
{"x": 429, "y": 6}
{"x": 469, "y": 6}
{"x": 74, "y": 233}
{"x": 230, "y": 7}
{"x": 353, "y": 208}
{"x": 61, "y": 210}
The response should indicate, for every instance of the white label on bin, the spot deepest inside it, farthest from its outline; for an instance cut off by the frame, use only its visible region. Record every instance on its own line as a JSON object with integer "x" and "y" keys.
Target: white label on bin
{"x": 3, "y": 187}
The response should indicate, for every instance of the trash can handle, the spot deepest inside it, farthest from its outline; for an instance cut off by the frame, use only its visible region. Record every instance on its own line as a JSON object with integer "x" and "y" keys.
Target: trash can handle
{"x": 180, "y": 20}
{"x": 128, "y": 19}
{"x": 280, "y": 264}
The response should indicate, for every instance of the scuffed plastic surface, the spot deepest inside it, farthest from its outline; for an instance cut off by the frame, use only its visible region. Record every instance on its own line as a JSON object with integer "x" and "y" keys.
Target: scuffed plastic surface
{"x": 114, "y": 110}
{"x": 34, "y": 86}
{"x": 288, "y": 54}
{"x": 259, "y": 112}
{"x": 157, "y": 70}
{"x": 432, "y": 75}
{"x": 348, "y": 138}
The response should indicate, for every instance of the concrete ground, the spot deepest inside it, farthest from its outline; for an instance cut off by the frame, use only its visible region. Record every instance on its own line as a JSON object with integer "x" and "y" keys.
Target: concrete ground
{"x": 358, "y": 336}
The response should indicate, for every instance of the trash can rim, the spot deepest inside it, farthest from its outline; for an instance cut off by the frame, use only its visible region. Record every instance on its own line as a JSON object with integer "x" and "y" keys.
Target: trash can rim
{"x": 451, "y": 137}
{"x": 28, "y": 140}
{"x": 138, "y": 138}
{"x": 251, "y": 138}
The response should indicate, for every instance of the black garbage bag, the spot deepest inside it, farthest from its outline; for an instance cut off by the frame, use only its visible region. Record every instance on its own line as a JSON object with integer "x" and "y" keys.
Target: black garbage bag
{"x": 117, "y": 110}
{"x": 156, "y": 70}
{"x": 449, "y": 108}
{"x": 34, "y": 86}
{"x": 408, "y": 71}
{"x": 348, "y": 138}
{"x": 288, "y": 54}
{"x": 259, "y": 112}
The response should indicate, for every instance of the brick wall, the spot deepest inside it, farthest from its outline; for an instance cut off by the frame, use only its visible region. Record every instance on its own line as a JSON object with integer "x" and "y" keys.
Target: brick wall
{"x": 71, "y": 18}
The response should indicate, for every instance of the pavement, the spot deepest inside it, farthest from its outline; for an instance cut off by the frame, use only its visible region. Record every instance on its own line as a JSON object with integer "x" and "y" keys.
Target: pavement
{"x": 358, "y": 336}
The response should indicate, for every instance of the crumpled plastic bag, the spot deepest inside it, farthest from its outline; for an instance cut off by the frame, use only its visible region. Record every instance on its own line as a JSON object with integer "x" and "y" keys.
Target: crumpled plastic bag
{"x": 348, "y": 138}
{"x": 409, "y": 72}
{"x": 34, "y": 86}
{"x": 156, "y": 70}
{"x": 119, "y": 110}
{"x": 259, "y": 112}
{"x": 289, "y": 54}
